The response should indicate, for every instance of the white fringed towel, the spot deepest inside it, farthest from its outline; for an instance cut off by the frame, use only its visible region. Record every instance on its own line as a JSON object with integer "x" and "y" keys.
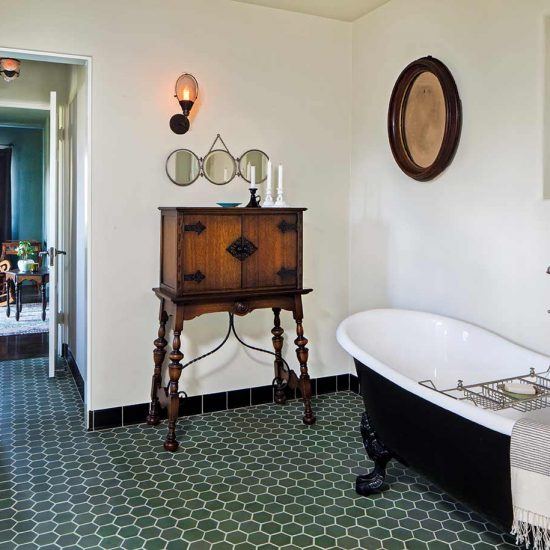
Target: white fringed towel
{"x": 530, "y": 473}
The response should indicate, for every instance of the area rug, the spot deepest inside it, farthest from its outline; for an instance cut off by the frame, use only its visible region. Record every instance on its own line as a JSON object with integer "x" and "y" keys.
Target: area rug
{"x": 30, "y": 321}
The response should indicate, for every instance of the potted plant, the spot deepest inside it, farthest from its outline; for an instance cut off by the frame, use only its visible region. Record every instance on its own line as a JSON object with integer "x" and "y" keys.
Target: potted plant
{"x": 24, "y": 251}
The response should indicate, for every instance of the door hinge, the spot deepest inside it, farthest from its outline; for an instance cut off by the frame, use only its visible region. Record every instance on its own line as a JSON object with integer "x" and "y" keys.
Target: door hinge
{"x": 284, "y": 226}
{"x": 286, "y": 272}
{"x": 197, "y": 277}
{"x": 60, "y": 318}
{"x": 198, "y": 227}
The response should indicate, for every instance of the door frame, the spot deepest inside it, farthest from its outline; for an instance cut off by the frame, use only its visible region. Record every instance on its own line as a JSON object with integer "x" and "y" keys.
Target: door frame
{"x": 86, "y": 60}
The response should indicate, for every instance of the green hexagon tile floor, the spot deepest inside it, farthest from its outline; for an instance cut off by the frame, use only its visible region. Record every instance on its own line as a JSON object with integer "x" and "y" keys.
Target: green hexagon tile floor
{"x": 247, "y": 478}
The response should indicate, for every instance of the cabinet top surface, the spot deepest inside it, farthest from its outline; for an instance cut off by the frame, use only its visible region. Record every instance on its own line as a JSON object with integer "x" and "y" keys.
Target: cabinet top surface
{"x": 238, "y": 210}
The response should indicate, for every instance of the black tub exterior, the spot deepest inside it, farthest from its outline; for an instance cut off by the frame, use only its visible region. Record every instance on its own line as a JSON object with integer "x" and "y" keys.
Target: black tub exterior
{"x": 469, "y": 461}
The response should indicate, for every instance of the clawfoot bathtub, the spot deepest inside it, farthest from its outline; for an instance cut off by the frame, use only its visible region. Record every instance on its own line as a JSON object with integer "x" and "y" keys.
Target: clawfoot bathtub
{"x": 463, "y": 448}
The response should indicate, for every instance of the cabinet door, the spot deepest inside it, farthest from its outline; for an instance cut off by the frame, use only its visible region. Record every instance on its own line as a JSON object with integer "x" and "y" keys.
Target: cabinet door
{"x": 207, "y": 265}
{"x": 275, "y": 262}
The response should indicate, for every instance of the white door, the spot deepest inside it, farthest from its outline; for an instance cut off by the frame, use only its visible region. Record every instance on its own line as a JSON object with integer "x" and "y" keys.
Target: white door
{"x": 54, "y": 255}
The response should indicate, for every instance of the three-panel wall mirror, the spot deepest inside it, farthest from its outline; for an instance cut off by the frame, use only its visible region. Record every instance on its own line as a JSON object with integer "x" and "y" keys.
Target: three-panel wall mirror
{"x": 218, "y": 166}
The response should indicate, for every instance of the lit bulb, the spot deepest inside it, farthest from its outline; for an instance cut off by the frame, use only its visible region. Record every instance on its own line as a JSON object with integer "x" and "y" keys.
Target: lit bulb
{"x": 186, "y": 94}
{"x": 11, "y": 64}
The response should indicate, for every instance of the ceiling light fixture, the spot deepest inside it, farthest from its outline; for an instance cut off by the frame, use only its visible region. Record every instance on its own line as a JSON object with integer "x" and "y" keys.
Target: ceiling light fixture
{"x": 9, "y": 68}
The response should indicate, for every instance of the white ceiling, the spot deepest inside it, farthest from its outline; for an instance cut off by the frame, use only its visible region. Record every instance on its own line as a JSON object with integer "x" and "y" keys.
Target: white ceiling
{"x": 344, "y": 10}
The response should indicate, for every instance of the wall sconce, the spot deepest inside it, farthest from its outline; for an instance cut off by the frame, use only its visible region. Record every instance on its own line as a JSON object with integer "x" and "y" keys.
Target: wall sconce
{"x": 187, "y": 91}
{"x": 9, "y": 68}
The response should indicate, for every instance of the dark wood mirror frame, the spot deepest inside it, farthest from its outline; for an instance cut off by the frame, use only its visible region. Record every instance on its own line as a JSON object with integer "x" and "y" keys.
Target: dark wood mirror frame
{"x": 396, "y": 118}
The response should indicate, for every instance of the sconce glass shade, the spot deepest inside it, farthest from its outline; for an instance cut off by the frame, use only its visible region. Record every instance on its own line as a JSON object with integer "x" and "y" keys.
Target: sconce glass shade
{"x": 187, "y": 91}
{"x": 9, "y": 68}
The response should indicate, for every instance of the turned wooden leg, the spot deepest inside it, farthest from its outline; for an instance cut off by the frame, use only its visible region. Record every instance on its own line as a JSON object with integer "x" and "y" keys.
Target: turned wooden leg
{"x": 8, "y": 296}
{"x": 277, "y": 331}
{"x": 43, "y": 293}
{"x": 171, "y": 444}
{"x": 153, "y": 418}
{"x": 302, "y": 353}
{"x": 17, "y": 301}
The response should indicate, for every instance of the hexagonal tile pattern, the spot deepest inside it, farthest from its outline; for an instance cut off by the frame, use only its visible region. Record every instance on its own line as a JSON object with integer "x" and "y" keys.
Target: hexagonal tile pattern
{"x": 247, "y": 478}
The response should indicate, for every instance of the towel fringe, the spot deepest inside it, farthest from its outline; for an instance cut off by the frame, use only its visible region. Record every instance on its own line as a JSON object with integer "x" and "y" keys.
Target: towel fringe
{"x": 531, "y": 529}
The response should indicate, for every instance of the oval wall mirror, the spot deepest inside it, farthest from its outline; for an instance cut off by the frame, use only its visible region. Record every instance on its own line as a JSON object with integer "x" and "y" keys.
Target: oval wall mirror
{"x": 256, "y": 158}
{"x": 183, "y": 167}
{"x": 219, "y": 167}
{"x": 424, "y": 119}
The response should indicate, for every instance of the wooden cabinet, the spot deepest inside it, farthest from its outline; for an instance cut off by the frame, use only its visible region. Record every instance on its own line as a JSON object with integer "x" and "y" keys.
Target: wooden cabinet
{"x": 234, "y": 260}
{"x": 207, "y": 249}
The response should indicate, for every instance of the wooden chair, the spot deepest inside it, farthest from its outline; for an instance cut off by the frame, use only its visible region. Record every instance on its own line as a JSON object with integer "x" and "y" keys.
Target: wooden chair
{"x": 5, "y": 265}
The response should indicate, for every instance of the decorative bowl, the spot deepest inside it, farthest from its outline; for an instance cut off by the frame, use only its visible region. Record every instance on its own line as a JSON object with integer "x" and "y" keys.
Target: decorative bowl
{"x": 228, "y": 204}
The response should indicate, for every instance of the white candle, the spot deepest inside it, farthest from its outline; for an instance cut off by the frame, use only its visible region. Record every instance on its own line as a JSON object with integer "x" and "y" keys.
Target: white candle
{"x": 253, "y": 178}
{"x": 280, "y": 184}
{"x": 268, "y": 182}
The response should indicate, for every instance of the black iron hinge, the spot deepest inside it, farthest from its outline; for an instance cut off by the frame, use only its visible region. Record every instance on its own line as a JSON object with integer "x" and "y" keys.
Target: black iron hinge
{"x": 198, "y": 227}
{"x": 284, "y": 226}
{"x": 197, "y": 277}
{"x": 286, "y": 272}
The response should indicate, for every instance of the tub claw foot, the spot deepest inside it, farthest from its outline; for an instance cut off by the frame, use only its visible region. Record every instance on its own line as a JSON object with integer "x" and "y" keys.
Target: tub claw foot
{"x": 373, "y": 482}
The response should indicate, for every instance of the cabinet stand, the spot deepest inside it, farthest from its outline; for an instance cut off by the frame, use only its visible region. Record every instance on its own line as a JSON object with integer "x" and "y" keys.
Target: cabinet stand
{"x": 184, "y": 310}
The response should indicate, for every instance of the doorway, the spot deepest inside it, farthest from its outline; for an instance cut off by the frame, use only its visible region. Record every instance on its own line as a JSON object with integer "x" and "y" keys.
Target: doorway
{"x": 23, "y": 227}
{"x": 45, "y": 163}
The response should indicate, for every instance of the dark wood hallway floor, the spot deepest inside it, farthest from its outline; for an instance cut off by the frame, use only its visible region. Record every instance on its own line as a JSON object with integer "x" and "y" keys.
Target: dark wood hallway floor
{"x": 23, "y": 346}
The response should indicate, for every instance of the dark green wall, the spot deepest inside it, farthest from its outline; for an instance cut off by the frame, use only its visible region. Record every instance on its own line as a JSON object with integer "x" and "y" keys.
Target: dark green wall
{"x": 27, "y": 181}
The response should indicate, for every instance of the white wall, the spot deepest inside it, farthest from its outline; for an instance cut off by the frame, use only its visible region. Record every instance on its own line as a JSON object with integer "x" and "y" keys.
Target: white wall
{"x": 269, "y": 79}
{"x": 37, "y": 79}
{"x": 474, "y": 243}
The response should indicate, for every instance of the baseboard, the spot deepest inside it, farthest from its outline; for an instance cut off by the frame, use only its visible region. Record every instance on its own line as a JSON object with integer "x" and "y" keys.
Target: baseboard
{"x": 73, "y": 367}
{"x": 198, "y": 404}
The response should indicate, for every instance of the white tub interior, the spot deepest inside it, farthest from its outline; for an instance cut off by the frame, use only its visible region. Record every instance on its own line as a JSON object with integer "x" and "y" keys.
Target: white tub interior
{"x": 409, "y": 346}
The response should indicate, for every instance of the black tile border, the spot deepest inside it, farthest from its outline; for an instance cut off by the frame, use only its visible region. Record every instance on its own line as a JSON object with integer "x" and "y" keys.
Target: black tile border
{"x": 214, "y": 402}
{"x": 189, "y": 406}
{"x": 128, "y": 415}
{"x": 108, "y": 418}
{"x": 134, "y": 414}
{"x": 261, "y": 395}
{"x": 73, "y": 367}
{"x": 342, "y": 382}
{"x": 353, "y": 383}
{"x": 327, "y": 384}
{"x": 238, "y": 398}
